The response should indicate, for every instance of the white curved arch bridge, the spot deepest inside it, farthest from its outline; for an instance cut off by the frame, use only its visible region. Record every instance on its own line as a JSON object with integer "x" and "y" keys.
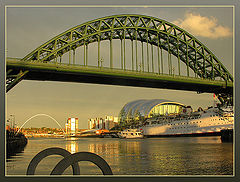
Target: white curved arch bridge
{"x": 36, "y": 115}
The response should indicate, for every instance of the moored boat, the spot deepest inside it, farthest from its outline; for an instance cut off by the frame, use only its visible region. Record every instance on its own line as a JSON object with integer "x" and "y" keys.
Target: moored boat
{"x": 15, "y": 143}
{"x": 200, "y": 123}
{"x": 131, "y": 133}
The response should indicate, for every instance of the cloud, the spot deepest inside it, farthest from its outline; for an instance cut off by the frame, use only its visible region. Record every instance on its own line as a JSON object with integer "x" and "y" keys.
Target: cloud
{"x": 203, "y": 26}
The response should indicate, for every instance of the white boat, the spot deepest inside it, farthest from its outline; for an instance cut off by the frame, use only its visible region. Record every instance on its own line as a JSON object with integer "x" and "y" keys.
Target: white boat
{"x": 202, "y": 122}
{"x": 131, "y": 133}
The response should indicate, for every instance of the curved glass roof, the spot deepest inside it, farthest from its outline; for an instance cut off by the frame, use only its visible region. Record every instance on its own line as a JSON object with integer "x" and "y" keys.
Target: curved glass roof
{"x": 143, "y": 107}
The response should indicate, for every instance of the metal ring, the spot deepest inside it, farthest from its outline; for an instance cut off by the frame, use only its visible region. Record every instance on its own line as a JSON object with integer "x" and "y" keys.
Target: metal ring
{"x": 50, "y": 151}
{"x": 82, "y": 156}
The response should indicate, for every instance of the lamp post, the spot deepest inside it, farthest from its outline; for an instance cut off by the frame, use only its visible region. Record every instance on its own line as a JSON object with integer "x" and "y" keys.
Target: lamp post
{"x": 140, "y": 67}
{"x": 101, "y": 62}
{"x": 13, "y": 120}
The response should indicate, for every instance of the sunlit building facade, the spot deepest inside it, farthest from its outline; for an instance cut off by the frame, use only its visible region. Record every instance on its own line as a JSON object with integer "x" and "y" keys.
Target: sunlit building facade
{"x": 102, "y": 123}
{"x": 139, "y": 110}
{"x": 71, "y": 126}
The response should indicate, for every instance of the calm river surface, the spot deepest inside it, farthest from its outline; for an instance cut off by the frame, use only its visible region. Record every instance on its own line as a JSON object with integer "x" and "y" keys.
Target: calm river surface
{"x": 150, "y": 156}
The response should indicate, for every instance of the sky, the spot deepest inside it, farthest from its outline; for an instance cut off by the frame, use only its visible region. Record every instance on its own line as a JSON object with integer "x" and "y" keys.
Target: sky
{"x": 29, "y": 27}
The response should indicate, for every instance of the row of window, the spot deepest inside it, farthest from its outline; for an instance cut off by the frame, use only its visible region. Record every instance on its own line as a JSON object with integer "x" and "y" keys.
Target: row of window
{"x": 189, "y": 127}
{"x": 199, "y": 122}
{"x": 214, "y": 115}
{"x": 194, "y": 122}
{"x": 182, "y": 127}
{"x": 218, "y": 119}
{"x": 131, "y": 133}
{"x": 175, "y": 119}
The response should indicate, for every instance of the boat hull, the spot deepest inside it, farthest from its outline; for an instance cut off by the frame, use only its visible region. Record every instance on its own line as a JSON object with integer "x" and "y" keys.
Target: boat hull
{"x": 208, "y": 123}
{"x": 186, "y": 135}
{"x": 128, "y": 137}
{"x": 131, "y": 134}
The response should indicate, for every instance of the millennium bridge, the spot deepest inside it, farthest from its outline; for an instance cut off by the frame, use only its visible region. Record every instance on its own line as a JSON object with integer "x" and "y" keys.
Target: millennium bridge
{"x": 142, "y": 51}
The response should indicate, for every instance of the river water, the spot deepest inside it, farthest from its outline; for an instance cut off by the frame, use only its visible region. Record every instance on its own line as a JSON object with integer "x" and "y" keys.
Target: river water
{"x": 150, "y": 156}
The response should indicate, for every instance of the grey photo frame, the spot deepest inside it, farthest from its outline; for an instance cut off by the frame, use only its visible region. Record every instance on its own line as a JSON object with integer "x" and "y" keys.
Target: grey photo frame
{"x": 234, "y": 3}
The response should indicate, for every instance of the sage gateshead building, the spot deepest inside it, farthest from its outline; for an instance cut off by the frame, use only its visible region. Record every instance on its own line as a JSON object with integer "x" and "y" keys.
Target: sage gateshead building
{"x": 138, "y": 110}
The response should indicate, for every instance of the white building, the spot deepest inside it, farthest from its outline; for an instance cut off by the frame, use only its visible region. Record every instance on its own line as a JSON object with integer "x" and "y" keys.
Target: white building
{"x": 71, "y": 126}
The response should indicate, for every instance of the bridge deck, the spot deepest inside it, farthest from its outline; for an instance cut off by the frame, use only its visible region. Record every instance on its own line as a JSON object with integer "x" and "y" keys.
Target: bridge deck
{"x": 90, "y": 74}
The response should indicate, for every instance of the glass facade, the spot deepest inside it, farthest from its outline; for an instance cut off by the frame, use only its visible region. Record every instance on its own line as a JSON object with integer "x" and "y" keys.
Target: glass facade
{"x": 165, "y": 109}
{"x": 138, "y": 110}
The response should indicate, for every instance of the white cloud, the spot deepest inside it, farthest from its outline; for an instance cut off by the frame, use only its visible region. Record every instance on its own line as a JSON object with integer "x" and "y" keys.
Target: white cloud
{"x": 203, "y": 26}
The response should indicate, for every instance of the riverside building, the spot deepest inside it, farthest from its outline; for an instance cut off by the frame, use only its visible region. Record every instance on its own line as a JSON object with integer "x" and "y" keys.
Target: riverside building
{"x": 135, "y": 112}
{"x": 102, "y": 123}
{"x": 71, "y": 126}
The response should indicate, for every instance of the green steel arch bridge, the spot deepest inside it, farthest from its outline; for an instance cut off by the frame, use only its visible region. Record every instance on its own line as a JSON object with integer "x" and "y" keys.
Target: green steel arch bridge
{"x": 141, "y": 51}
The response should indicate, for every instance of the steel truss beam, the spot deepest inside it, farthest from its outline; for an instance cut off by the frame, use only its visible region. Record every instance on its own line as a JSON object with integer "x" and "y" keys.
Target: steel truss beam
{"x": 13, "y": 77}
{"x": 150, "y": 30}
{"x": 135, "y": 28}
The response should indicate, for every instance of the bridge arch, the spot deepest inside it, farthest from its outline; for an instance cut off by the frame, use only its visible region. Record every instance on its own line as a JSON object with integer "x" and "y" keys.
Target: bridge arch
{"x": 36, "y": 115}
{"x": 166, "y": 38}
{"x": 154, "y": 31}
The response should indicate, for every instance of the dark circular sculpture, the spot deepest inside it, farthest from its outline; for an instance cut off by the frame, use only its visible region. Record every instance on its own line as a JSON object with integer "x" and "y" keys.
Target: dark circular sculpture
{"x": 82, "y": 156}
{"x": 50, "y": 151}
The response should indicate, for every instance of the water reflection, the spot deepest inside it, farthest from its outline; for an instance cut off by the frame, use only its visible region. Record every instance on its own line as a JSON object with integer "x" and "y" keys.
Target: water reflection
{"x": 151, "y": 156}
{"x": 115, "y": 147}
{"x": 71, "y": 145}
{"x": 121, "y": 155}
{"x": 107, "y": 150}
{"x": 190, "y": 156}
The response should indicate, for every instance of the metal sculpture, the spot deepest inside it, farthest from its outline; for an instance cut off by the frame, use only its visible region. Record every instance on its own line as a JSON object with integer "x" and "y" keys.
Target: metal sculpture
{"x": 69, "y": 159}
{"x": 82, "y": 156}
{"x": 49, "y": 151}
